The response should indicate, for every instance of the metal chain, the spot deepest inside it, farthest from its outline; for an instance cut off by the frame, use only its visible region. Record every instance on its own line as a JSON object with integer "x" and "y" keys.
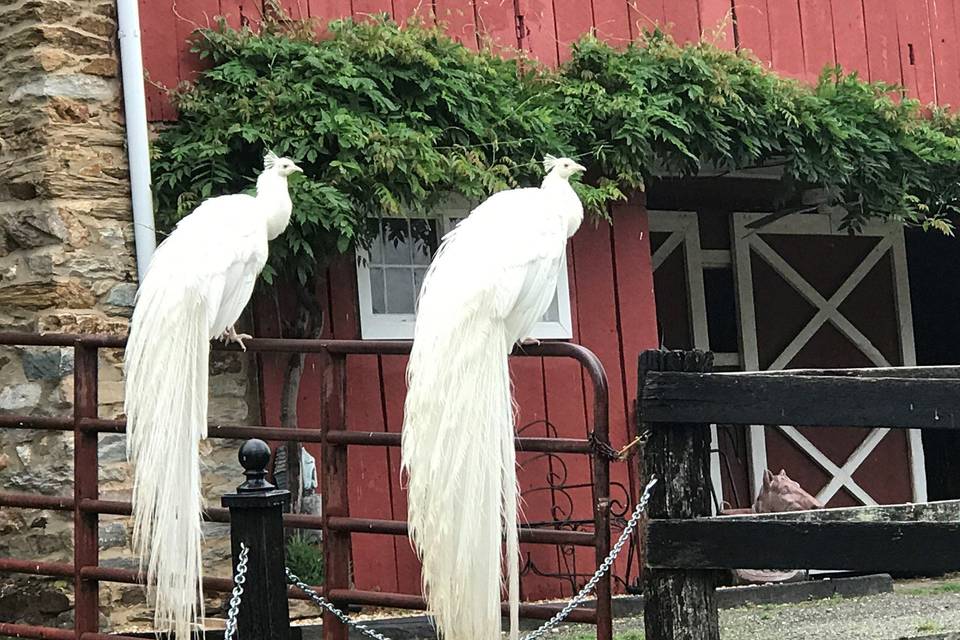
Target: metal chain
{"x": 320, "y": 601}
{"x": 602, "y": 569}
{"x": 549, "y": 624}
{"x": 603, "y": 449}
{"x": 238, "y": 582}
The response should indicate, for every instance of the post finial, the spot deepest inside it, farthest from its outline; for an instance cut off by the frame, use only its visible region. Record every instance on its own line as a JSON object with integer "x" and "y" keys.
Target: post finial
{"x": 254, "y": 457}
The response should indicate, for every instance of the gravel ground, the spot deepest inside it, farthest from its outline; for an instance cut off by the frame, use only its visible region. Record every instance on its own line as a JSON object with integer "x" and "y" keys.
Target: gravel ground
{"x": 914, "y": 610}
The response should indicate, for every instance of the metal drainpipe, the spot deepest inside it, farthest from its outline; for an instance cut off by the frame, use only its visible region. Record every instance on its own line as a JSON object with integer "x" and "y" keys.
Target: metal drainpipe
{"x": 138, "y": 146}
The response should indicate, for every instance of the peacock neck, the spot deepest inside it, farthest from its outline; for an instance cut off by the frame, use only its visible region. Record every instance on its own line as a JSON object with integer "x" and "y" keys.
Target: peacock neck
{"x": 572, "y": 209}
{"x": 272, "y": 192}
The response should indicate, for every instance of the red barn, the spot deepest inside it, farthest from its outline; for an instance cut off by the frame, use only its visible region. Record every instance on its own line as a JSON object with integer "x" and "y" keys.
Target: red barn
{"x": 694, "y": 263}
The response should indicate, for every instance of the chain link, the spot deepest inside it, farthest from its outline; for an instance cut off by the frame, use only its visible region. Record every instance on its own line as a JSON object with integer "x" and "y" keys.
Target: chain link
{"x": 320, "y": 601}
{"x": 602, "y": 569}
{"x": 238, "y": 582}
{"x": 549, "y": 624}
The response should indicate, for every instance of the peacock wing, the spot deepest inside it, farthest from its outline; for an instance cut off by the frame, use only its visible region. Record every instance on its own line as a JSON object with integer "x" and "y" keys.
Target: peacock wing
{"x": 218, "y": 251}
{"x": 526, "y": 246}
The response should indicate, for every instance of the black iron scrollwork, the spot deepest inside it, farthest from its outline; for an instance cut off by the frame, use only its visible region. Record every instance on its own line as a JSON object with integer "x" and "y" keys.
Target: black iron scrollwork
{"x": 562, "y": 491}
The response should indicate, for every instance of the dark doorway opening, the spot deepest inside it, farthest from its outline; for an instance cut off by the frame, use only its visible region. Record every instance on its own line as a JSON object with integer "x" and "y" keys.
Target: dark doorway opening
{"x": 933, "y": 262}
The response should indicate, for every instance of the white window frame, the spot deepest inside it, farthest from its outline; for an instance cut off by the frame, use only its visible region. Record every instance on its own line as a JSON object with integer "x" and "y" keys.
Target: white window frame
{"x": 399, "y": 326}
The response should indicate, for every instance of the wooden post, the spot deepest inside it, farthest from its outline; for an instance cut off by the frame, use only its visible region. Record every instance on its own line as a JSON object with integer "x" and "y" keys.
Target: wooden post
{"x": 256, "y": 519}
{"x": 678, "y": 605}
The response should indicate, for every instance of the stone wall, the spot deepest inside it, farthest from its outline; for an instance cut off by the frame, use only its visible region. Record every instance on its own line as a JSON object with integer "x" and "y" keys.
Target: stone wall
{"x": 67, "y": 265}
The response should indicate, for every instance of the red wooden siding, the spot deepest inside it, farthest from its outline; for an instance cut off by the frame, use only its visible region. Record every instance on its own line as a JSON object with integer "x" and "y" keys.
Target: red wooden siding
{"x": 753, "y": 28}
{"x": 850, "y": 35}
{"x": 716, "y": 22}
{"x": 913, "y": 42}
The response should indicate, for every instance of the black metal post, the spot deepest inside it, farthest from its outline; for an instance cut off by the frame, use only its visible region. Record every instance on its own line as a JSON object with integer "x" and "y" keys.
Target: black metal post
{"x": 256, "y": 520}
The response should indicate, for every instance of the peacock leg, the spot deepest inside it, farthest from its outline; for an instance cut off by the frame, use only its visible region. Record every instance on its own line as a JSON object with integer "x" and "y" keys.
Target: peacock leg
{"x": 231, "y": 335}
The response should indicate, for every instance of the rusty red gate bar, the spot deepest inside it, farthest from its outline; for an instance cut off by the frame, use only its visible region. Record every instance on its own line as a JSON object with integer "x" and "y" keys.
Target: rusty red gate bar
{"x": 335, "y": 520}
{"x": 86, "y": 548}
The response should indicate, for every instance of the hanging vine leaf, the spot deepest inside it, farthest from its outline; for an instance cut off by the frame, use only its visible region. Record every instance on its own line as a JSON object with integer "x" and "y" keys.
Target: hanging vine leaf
{"x": 388, "y": 119}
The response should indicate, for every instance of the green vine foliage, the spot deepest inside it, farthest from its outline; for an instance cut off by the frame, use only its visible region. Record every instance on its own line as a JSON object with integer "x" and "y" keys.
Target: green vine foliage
{"x": 388, "y": 120}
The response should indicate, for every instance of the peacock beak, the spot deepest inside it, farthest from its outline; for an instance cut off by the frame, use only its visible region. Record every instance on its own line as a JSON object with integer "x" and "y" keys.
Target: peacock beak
{"x": 296, "y": 168}
{"x": 579, "y": 167}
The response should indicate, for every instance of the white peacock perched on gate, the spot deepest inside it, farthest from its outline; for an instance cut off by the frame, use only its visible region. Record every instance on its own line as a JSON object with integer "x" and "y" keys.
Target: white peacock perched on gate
{"x": 197, "y": 284}
{"x": 492, "y": 279}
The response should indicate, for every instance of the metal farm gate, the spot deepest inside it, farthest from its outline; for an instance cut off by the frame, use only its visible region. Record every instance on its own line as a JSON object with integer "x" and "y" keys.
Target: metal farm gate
{"x": 336, "y": 523}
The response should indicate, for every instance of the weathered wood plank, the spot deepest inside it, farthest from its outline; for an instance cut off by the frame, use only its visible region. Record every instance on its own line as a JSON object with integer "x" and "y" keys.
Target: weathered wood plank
{"x": 786, "y": 45}
{"x": 572, "y": 19}
{"x": 539, "y": 30}
{"x": 496, "y": 25}
{"x": 916, "y": 51}
{"x": 816, "y": 29}
{"x": 600, "y": 331}
{"x": 459, "y": 20}
{"x": 716, "y": 23}
{"x": 612, "y": 21}
{"x": 683, "y": 20}
{"x": 160, "y": 55}
{"x": 644, "y": 15}
{"x": 721, "y": 543}
{"x": 946, "y": 61}
{"x": 941, "y": 511}
{"x": 798, "y": 400}
{"x": 883, "y": 48}
{"x": 637, "y": 318}
{"x": 940, "y": 371}
{"x": 753, "y": 28}
{"x": 850, "y": 37}
{"x": 678, "y": 604}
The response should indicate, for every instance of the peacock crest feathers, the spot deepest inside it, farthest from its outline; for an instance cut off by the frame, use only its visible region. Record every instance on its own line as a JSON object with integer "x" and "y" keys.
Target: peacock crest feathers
{"x": 270, "y": 159}
{"x": 549, "y": 162}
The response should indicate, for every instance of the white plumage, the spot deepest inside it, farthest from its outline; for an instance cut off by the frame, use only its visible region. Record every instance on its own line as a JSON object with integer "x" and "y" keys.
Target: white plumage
{"x": 492, "y": 279}
{"x": 197, "y": 284}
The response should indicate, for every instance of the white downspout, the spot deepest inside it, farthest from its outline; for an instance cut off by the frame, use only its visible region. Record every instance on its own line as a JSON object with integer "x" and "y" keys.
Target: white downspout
{"x": 138, "y": 146}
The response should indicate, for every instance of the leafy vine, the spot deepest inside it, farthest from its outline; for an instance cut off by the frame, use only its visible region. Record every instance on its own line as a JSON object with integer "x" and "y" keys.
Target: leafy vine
{"x": 387, "y": 120}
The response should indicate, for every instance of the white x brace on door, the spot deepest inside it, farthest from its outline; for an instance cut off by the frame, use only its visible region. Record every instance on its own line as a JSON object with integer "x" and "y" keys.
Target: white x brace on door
{"x": 749, "y": 242}
{"x": 683, "y": 232}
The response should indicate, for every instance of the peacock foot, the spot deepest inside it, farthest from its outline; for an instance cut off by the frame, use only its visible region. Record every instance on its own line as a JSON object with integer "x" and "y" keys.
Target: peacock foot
{"x": 529, "y": 342}
{"x": 231, "y": 335}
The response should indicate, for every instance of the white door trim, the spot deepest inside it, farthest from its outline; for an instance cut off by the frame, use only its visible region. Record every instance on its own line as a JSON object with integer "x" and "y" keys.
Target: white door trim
{"x": 684, "y": 230}
{"x": 747, "y": 242}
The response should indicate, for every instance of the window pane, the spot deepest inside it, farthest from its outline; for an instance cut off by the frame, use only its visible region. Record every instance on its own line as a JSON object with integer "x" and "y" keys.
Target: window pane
{"x": 418, "y": 275}
{"x": 424, "y": 234}
{"x": 376, "y": 250}
{"x": 553, "y": 311}
{"x": 400, "y": 291}
{"x": 396, "y": 241}
{"x": 376, "y": 290}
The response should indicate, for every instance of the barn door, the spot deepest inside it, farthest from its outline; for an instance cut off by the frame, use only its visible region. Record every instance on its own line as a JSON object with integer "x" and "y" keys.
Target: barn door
{"x": 811, "y": 295}
{"x": 678, "y": 272}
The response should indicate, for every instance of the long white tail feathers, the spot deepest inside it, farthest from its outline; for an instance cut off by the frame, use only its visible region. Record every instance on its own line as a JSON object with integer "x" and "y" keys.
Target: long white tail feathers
{"x": 166, "y": 365}
{"x": 459, "y": 458}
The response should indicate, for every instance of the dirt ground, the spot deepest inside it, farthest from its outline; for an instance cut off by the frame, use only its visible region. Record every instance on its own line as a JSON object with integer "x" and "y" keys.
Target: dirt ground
{"x": 915, "y": 609}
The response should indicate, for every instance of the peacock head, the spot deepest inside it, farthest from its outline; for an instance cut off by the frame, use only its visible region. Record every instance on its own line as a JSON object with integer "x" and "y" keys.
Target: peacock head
{"x": 561, "y": 167}
{"x": 283, "y": 167}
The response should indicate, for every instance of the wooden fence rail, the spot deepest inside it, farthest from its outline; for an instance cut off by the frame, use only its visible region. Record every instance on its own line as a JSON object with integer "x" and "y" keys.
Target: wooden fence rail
{"x": 678, "y": 398}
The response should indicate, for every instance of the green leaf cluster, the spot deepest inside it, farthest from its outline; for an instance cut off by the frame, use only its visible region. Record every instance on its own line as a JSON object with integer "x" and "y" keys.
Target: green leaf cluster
{"x": 305, "y": 559}
{"x": 389, "y": 120}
